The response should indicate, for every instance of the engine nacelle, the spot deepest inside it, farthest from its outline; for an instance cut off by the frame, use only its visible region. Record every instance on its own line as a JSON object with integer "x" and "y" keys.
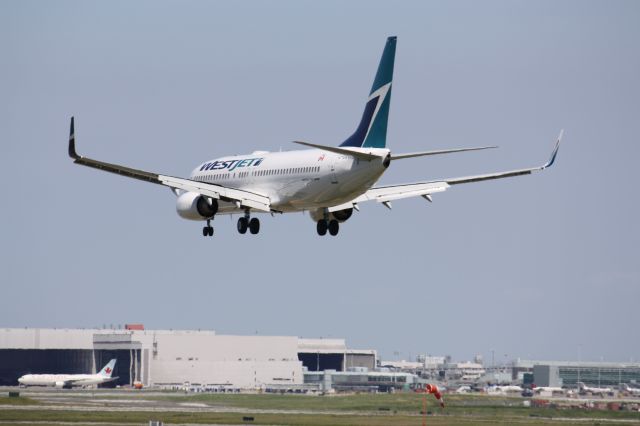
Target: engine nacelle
{"x": 61, "y": 385}
{"x": 194, "y": 206}
{"x": 343, "y": 215}
{"x": 340, "y": 215}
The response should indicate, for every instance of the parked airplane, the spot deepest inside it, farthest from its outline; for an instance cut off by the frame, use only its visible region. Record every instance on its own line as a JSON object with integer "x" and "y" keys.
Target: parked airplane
{"x": 463, "y": 389}
{"x": 67, "y": 381}
{"x": 548, "y": 390}
{"x": 584, "y": 389}
{"x": 632, "y": 391}
{"x": 503, "y": 390}
{"x": 328, "y": 181}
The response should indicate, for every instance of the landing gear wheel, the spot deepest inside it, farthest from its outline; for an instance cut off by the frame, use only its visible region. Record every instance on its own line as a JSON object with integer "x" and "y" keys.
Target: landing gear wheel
{"x": 254, "y": 225}
{"x": 322, "y": 227}
{"x": 242, "y": 225}
{"x": 208, "y": 230}
{"x": 334, "y": 227}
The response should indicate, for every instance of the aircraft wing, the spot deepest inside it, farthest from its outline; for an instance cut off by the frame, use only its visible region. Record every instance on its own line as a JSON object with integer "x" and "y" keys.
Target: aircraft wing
{"x": 244, "y": 198}
{"x": 385, "y": 194}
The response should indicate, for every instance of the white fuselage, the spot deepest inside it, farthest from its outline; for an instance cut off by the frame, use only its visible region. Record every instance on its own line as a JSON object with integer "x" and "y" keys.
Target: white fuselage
{"x": 61, "y": 379}
{"x": 503, "y": 389}
{"x": 295, "y": 180}
{"x": 595, "y": 391}
{"x": 548, "y": 390}
{"x": 632, "y": 391}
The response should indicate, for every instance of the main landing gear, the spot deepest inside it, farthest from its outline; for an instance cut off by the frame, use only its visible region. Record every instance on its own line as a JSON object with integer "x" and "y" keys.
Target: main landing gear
{"x": 207, "y": 231}
{"x": 333, "y": 226}
{"x": 245, "y": 222}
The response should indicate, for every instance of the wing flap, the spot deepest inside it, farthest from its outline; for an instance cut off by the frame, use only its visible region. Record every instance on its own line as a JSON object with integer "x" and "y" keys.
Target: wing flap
{"x": 246, "y": 198}
{"x": 385, "y": 194}
{"x": 397, "y": 192}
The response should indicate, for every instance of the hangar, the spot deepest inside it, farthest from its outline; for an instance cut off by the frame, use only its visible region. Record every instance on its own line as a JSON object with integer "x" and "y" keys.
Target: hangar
{"x": 174, "y": 357}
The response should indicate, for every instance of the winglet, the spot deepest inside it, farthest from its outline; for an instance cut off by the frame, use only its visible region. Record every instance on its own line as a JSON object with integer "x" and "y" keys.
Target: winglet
{"x": 72, "y": 142}
{"x": 555, "y": 151}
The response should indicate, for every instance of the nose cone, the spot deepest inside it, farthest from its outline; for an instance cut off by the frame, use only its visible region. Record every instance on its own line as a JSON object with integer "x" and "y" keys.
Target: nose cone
{"x": 21, "y": 379}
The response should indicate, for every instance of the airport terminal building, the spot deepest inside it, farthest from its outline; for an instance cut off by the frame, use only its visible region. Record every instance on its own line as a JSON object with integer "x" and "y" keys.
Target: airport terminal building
{"x": 569, "y": 373}
{"x": 174, "y": 357}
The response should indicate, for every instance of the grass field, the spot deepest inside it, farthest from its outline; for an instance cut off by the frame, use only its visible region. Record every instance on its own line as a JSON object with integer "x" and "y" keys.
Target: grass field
{"x": 366, "y": 409}
{"x": 5, "y": 400}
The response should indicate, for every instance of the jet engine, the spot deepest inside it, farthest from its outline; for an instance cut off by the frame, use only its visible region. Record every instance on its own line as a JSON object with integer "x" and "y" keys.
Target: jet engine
{"x": 62, "y": 385}
{"x": 194, "y": 206}
{"x": 340, "y": 215}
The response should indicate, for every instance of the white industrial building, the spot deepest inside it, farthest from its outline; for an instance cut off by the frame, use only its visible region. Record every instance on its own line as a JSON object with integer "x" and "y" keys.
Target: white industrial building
{"x": 464, "y": 371}
{"x": 173, "y": 357}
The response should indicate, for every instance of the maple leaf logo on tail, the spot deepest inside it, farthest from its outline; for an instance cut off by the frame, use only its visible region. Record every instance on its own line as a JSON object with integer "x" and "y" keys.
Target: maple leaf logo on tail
{"x": 108, "y": 369}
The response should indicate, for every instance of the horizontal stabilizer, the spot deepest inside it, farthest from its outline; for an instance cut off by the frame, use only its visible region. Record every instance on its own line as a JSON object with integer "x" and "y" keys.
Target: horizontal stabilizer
{"x": 343, "y": 151}
{"x": 438, "y": 152}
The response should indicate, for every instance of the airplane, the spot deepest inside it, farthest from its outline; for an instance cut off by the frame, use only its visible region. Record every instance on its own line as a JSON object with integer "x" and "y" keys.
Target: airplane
{"x": 628, "y": 389}
{"x": 502, "y": 390}
{"x": 329, "y": 182}
{"x": 584, "y": 389}
{"x": 67, "y": 381}
{"x": 463, "y": 389}
{"x": 548, "y": 390}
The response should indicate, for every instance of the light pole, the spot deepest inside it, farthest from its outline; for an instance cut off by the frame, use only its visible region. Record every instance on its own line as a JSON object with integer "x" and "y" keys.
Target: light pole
{"x": 579, "y": 361}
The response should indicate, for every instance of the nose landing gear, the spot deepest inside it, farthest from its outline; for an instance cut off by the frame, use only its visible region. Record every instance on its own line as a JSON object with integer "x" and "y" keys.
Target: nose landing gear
{"x": 207, "y": 230}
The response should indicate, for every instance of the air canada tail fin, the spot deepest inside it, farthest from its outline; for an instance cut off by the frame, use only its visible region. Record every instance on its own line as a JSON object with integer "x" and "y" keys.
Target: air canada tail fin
{"x": 372, "y": 130}
{"x": 107, "y": 370}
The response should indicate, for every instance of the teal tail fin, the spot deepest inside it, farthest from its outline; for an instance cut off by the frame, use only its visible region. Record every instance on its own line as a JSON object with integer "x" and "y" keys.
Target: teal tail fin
{"x": 372, "y": 130}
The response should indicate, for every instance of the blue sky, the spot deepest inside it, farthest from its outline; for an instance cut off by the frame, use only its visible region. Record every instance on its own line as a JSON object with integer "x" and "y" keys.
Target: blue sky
{"x": 530, "y": 267}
